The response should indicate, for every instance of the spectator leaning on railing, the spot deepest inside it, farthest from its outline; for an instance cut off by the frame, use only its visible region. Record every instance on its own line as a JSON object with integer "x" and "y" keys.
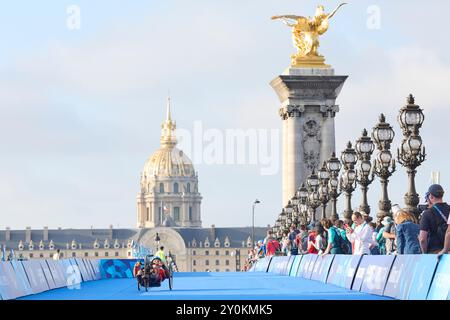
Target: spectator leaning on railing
{"x": 433, "y": 223}
{"x": 335, "y": 241}
{"x": 361, "y": 236}
{"x": 407, "y": 233}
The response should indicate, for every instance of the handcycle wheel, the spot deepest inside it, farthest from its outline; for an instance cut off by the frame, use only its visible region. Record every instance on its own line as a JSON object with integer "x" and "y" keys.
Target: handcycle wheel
{"x": 170, "y": 277}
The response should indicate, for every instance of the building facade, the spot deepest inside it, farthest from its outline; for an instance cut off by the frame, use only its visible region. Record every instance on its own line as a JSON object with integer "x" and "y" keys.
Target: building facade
{"x": 169, "y": 193}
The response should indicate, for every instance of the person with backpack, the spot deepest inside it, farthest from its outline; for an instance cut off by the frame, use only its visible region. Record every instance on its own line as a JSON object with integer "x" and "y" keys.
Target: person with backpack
{"x": 294, "y": 245}
{"x": 433, "y": 223}
{"x": 446, "y": 248}
{"x": 336, "y": 244}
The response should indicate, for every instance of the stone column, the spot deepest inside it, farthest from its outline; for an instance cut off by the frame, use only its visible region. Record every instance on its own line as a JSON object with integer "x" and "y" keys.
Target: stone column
{"x": 285, "y": 177}
{"x": 307, "y": 99}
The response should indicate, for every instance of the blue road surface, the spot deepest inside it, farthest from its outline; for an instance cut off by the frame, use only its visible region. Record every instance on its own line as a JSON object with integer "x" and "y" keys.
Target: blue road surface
{"x": 209, "y": 286}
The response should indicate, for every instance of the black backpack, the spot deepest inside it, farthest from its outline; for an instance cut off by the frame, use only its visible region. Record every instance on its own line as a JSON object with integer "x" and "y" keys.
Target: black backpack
{"x": 441, "y": 225}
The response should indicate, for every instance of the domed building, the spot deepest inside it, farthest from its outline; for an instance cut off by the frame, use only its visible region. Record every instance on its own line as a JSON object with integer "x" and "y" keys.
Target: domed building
{"x": 169, "y": 194}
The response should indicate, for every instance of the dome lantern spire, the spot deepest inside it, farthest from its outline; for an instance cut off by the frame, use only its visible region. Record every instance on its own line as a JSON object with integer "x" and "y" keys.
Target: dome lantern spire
{"x": 168, "y": 137}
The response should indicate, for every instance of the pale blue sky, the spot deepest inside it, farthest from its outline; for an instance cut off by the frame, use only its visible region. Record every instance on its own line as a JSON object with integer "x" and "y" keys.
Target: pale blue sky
{"x": 80, "y": 111}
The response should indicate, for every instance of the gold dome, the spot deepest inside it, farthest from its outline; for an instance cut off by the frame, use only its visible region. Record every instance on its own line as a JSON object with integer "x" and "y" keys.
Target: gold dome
{"x": 168, "y": 161}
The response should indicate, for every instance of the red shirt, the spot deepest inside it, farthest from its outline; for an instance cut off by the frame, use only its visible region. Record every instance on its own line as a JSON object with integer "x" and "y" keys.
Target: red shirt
{"x": 312, "y": 239}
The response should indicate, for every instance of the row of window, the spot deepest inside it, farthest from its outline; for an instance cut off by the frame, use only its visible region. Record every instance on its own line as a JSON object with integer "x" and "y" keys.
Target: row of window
{"x": 227, "y": 253}
{"x": 227, "y": 262}
{"x": 175, "y": 215}
{"x": 176, "y": 188}
{"x": 207, "y": 270}
{"x": 74, "y": 255}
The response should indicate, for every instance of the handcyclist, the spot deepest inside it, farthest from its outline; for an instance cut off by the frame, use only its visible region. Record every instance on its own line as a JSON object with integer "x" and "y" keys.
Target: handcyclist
{"x": 162, "y": 256}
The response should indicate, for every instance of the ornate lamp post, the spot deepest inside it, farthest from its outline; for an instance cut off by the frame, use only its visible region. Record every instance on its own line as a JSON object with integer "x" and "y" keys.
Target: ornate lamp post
{"x": 411, "y": 154}
{"x": 157, "y": 240}
{"x": 384, "y": 165}
{"x": 334, "y": 167}
{"x": 324, "y": 177}
{"x": 365, "y": 148}
{"x": 289, "y": 211}
{"x": 253, "y": 221}
{"x": 313, "y": 194}
{"x": 295, "y": 209}
{"x": 348, "y": 179}
{"x": 302, "y": 194}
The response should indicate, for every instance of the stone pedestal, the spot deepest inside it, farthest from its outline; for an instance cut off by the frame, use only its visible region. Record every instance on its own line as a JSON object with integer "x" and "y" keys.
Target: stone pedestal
{"x": 308, "y": 109}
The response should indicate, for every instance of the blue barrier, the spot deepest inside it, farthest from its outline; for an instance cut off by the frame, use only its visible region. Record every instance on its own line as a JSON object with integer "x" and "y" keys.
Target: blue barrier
{"x": 422, "y": 276}
{"x": 57, "y": 272}
{"x": 48, "y": 274}
{"x": 10, "y": 287}
{"x": 322, "y": 268}
{"x": 120, "y": 268}
{"x": 311, "y": 265}
{"x": 295, "y": 264}
{"x": 278, "y": 265}
{"x": 440, "y": 287}
{"x": 22, "y": 278}
{"x": 304, "y": 264}
{"x": 36, "y": 276}
{"x": 263, "y": 264}
{"x": 84, "y": 272}
{"x": 377, "y": 273}
{"x": 287, "y": 270}
{"x": 343, "y": 270}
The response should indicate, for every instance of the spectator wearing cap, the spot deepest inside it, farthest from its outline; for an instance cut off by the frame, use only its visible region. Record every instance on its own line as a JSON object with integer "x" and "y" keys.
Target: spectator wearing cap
{"x": 407, "y": 233}
{"x": 433, "y": 223}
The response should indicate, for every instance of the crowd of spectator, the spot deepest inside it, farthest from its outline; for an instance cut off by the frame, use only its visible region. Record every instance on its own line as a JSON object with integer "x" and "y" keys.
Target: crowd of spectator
{"x": 403, "y": 233}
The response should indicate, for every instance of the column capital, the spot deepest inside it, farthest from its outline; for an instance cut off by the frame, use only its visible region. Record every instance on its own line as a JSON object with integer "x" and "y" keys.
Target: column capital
{"x": 291, "y": 111}
{"x": 329, "y": 110}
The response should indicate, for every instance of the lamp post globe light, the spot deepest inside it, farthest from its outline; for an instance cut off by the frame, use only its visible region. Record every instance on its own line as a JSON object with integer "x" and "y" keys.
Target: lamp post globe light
{"x": 384, "y": 165}
{"x": 365, "y": 176}
{"x": 302, "y": 194}
{"x": 334, "y": 167}
{"x": 348, "y": 179}
{"x": 324, "y": 177}
{"x": 412, "y": 153}
{"x": 253, "y": 221}
{"x": 313, "y": 194}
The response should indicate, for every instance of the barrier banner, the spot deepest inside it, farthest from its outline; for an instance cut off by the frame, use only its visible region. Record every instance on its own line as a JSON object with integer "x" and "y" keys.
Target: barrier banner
{"x": 278, "y": 265}
{"x": 48, "y": 274}
{"x": 84, "y": 273}
{"x": 36, "y": 276}
{"x": 89, "y": 268}
{"x": 9, "y": 286}
{"x": 304, "y": 265}
{"x": 263, "y": 264}
{"x": 295, "y": 265}
{"x": 440, "y": 287}
{"x": 57, "y": 273}
{"x": 422, "y": 276}
{"x": 322, "y": 268}
{"x": 311, "y": 266}
{"x": 22, "y": 279}
{"x": 72, "y": 273}
{"x": 400, "y": 278}
{"x": 377, "y": 272}
{"x": 343, "y": 270}
{"x": 287, "y": 271}
{"x": 120, "y": 268}
{"x": 95, "y": 264}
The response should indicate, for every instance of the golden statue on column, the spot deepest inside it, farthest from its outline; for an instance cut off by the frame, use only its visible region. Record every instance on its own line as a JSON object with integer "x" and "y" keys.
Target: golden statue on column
{"x": 305, "y": 34}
